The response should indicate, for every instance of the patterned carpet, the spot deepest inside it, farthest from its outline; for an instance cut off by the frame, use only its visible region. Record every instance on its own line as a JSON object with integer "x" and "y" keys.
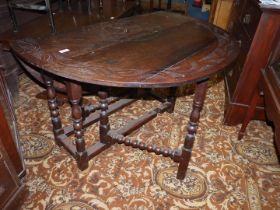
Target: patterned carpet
{"x": 224, "y": 173}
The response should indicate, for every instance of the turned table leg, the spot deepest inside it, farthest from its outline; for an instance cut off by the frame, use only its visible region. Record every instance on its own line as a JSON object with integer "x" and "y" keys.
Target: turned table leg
{"x": 74, "y": 92}
{"x": 53, "y": 107}
{"x": 104, "y": 126}
{"x": 199, "y": 96}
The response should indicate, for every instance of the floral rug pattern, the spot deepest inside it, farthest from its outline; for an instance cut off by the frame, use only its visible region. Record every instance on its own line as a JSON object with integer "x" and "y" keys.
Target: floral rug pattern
{"x": 224, "y": 173}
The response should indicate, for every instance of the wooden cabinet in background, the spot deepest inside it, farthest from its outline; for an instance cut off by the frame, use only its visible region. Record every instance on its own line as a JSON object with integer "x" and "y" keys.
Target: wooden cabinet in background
{"x": 12, "y": 168}
{"x": 255, "y": 35}
{"x": 269, "y": 81}
{"x": 10, "y": 185}
{"x": 271, "y": 88}
{"x": 9, "y": 133}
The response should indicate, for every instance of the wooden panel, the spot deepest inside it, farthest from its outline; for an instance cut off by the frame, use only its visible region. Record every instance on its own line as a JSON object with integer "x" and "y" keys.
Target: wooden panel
{"x": 236, "y": 12}
{"x": 241, "y": 35}
{"x": 258, "y": 56}
{"x": 222, "y": 13}
{"x": 8, "y": 185}
{"x": 232, "y": 75}
{"x": 271, "y": 89}
{"x": 250, "y": 17}
{"x": 8, "y": 128}
{"x": 244, "y": 20}
{"x": 11, "y": 69}
{"x": 9, "y": 182}
{"x": 272, "y": 76}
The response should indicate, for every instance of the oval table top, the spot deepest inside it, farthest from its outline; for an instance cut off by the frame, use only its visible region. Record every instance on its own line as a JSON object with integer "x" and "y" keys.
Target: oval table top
{"x": 159, "y": 49}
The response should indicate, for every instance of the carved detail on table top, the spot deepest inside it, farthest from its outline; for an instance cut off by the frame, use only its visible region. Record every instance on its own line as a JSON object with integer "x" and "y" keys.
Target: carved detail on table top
{"x": 162, "y": 48}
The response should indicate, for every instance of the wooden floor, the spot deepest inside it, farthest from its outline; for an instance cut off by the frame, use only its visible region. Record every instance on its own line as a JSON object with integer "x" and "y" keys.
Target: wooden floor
{"x": 73, "y": 17}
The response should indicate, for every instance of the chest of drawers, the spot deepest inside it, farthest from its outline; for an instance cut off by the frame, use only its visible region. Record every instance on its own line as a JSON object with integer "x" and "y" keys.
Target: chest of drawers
{"x": 240, "y": 80}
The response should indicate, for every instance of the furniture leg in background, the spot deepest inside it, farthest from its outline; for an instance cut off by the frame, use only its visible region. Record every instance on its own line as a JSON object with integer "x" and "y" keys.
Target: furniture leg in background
{"x": 249, "y": 114}
{"x": 34, "y": 6}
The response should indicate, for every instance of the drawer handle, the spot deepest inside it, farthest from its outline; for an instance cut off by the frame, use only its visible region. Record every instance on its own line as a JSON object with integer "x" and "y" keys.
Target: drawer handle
{"x": 247, "y": 19}
{"x": 239, "y": 43}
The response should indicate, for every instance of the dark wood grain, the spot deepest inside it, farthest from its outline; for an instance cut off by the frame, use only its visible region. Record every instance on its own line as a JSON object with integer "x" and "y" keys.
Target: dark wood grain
{"x": 106, "y": 54}
{"x": 148, "y": 51}
{"x": 37, "y": 25}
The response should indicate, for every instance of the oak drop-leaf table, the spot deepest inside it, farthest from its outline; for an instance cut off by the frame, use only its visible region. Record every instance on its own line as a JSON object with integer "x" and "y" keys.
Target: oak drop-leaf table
{"x": 156, "y": 50}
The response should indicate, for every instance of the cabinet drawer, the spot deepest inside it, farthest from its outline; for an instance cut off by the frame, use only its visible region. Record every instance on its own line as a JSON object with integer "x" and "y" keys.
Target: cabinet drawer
{"x": 241, "y": 35}
{"x": 250, "y": 17}
{"x": 233, "y": 74}
{"x": 232, "y": 77}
